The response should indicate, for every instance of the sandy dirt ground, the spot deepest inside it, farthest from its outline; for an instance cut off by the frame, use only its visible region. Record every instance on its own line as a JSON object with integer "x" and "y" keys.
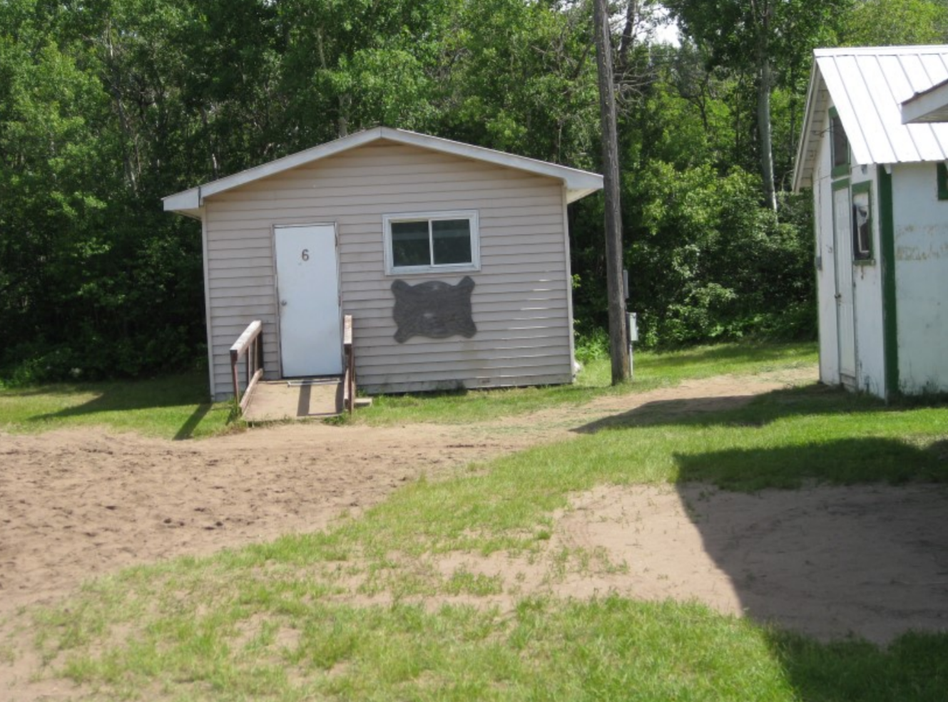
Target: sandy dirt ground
{"x": 870, "y": 561}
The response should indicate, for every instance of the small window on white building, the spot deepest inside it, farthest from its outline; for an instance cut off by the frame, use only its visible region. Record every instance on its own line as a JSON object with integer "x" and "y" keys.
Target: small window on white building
{"x": 839, "y": 146}
{"x": 428, "y": 242}
{"x": 862, "y": 223}
{"x": 941, "y": 178}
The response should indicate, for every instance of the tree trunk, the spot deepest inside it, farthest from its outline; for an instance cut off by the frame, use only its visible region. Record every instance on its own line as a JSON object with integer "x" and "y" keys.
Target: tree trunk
{"x": 618, "y": 341}
{"x": 764, "y": 85}
{"x": 628, "y": 33}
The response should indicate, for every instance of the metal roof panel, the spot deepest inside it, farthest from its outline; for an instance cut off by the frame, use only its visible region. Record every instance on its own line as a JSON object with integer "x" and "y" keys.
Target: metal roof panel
{"x": 867, "y": 86}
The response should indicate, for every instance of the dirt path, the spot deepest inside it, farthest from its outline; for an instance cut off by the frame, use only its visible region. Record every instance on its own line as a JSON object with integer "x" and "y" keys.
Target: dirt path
{"x": 77, "y": 504}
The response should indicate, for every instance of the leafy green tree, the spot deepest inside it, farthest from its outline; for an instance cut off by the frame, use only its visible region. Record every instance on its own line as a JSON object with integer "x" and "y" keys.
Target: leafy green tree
{"x": 108, "y": 105}
{"x": 763, "y": 39}
{"x": 895, "y": 23}
{"x": 349, "y": 65}
{"x": 90, "y": 276}
{"x": 520, "y": 77}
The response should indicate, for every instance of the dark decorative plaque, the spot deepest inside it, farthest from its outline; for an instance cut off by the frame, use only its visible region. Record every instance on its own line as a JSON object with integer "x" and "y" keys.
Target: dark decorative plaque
{"x": 433, "y": 309}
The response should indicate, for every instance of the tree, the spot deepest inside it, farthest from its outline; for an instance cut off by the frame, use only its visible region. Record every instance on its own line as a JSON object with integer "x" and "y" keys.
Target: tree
{"x": 108, "y": 105}
{"x": 895, "y": 23}
{"x": 764, "y": 38}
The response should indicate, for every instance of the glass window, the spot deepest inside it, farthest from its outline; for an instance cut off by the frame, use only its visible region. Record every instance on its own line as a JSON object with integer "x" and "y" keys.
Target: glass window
{"x": 410, "y": 244}
{"x": 941, "y": 178}
{"x": 862, "y": 224}
{"x": 426, "y": 242}
{"x": 840, "y": 146}
{"x": 452, "y": 241}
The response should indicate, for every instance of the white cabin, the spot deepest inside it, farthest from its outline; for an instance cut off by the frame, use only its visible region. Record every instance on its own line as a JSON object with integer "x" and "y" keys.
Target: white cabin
{"x": 880, "y": 193}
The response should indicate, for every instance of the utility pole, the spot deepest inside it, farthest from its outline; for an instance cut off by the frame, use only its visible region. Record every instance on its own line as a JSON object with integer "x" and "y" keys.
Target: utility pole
{"x": 618, "y": 338}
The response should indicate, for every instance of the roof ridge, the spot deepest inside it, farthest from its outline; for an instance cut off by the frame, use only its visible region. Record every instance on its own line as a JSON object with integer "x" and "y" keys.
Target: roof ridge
{"x": 880, "y": 50}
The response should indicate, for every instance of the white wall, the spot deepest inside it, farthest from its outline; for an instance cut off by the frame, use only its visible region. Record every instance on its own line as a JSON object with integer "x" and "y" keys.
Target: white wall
{"x": 826, "y": 272}
{"x": 867, "y": 283}
{"x": 921, "y": 279}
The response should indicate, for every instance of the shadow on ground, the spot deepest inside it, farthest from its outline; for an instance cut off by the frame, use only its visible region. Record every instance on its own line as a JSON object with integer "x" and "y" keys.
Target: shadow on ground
{"x": 911, "y": 668}
{"x": 741, "y": 410}
{"x": 116, "y": 397}
{"x": 843, "y": 462}
{"x": 860, "y": 567}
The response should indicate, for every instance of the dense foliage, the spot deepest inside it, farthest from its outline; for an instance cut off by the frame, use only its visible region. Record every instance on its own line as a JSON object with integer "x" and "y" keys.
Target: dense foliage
{"x": 108, "y": 105}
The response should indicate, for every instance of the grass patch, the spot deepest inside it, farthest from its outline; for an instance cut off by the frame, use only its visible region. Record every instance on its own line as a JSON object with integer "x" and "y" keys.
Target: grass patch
{"x": 608, "y": 648}
{"x": 652, "y": 370}
{"x": 176, "y": 407}
{"x": 278, "y": 621}
{"x": 170, "y": 407}
{"x": 780, "y": 440}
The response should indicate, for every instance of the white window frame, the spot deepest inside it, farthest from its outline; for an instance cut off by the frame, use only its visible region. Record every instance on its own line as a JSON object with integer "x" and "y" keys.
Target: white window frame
{"x": 470, "y": 215}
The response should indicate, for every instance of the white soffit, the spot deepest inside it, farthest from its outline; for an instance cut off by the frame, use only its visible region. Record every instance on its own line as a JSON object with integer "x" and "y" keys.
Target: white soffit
{"x": 868, "y": 87}
{"x": 928, "y": 106}
{"x": 578, "y": 183}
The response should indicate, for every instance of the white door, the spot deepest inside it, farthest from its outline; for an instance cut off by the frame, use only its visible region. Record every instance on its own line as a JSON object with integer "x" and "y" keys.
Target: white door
{"x": 845, "y": 312}
{"x": 308, "y": 294}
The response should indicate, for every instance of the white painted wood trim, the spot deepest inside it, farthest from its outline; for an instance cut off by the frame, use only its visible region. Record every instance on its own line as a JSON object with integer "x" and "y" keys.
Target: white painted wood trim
{"x": 470, "y": 215}
{"x": 276, "y": 299}
{"x": 803, "y": 172}
{"x": 207, "y": 306}
{"x": 569, "y": 284}
{"x": 928, "y": 106}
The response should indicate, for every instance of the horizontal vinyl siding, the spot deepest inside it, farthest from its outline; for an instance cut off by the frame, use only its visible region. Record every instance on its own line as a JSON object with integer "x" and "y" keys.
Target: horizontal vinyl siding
{"x": 520, "y": 300}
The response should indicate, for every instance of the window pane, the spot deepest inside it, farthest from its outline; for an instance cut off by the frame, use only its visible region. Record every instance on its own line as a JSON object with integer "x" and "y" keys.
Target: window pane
{"x": 452, "y": 241}
{"x": 862, "y": 233}
{"x": 410, "y": 244}
{"x": 840, "y": 142}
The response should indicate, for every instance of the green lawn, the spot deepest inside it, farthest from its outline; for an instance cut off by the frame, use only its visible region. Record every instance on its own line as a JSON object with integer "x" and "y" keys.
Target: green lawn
{"x": 171, "y": 407}
{"x": 283, "y": 621}
{"x": 177, "y": 406}
{"x": 651, "y": 370}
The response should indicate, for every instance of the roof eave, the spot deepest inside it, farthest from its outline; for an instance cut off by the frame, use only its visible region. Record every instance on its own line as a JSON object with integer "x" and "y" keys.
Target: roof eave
{"x": 803, "y": 169}
{"x": 928, "y": 106}
{"x": 183, "y": 202}
{"x": 574, "y": 194}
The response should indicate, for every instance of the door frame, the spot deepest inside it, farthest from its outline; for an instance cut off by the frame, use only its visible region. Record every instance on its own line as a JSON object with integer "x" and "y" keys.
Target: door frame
{"x": 838, "y": 185}
{"x": 276, "y": 282}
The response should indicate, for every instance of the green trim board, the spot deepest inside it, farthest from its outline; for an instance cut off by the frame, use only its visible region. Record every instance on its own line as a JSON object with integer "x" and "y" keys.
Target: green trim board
{"x": 941, "y": 177}
{"x": 890, "y": 328}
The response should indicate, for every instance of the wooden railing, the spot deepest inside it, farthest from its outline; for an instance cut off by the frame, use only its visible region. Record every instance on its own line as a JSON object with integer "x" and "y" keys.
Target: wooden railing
{"x": 249, "y": 344}
{"x": 349, "y": 382}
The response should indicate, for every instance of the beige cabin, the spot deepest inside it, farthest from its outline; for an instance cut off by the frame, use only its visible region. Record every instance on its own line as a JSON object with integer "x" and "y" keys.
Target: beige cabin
{"x": 452, "y": 261}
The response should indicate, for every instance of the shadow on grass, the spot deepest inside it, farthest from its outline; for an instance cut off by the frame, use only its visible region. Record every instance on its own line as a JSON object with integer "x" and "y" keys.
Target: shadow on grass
{"x": 859, "y": 567}
{"x": 740, "y": 410}
{"x": 735, "y": 352}
{"x": 839, "y": 462}
{"x": 191, "y": 424}
{"x": 172, "y": 393}
{"x": 913, "y": 668}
